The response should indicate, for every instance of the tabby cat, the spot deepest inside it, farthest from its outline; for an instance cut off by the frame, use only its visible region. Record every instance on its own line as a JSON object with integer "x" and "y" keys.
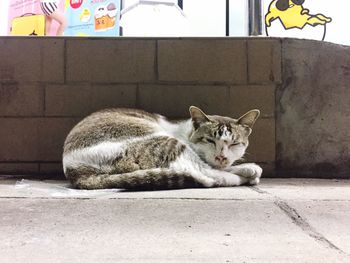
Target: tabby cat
{"x": 133, "y": 149}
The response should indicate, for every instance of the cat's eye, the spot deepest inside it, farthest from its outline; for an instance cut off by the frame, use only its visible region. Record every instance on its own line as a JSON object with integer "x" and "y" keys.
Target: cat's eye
{"x": 211, "y": 141}
{"x": 234, "y": 144}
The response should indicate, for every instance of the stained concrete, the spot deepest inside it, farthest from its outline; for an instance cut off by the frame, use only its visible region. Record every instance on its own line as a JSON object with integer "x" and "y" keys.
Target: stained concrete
{"x": 312, "y": 110}
{"x": 278, "y": 221}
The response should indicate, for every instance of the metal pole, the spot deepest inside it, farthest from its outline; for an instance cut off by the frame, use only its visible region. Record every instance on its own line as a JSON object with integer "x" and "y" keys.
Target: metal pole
{"x": 254, "y": 18}
{"x": 227, "y": 18}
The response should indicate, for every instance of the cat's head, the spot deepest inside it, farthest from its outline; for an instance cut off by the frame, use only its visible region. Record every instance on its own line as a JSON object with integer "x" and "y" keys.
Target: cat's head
{"x": 218, "y": 140}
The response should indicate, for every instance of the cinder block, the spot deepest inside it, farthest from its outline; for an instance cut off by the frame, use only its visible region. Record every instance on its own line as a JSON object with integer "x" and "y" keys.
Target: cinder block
{"x": 110, "y": 60}
{"x": 52, "y": 169}
{"x": 113, "y": 96}
{"x": 19, "y": 139}
{"x": 269, "y": 170}
{"x": 31, "y": 59}
{"x": 64, "y": 100}
{"x": 264, "y": 61}
{"x": 262, "y": 142}
{"x": 53, "y": 60}
{"x": 81, "y": 100}
{"x": 245, "y": 98}
{"x": 174, "y": 101}
{"x": 33, "y": 139}
{"x": 202, "y": 60}
{"x": 18, "y": 168}
{"x": 52, "y": 133}
{"x": 21, "y": 99}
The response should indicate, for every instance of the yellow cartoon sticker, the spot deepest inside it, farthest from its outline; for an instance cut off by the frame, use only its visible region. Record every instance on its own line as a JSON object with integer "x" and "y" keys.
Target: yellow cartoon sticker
{"x": 292, "y": 14}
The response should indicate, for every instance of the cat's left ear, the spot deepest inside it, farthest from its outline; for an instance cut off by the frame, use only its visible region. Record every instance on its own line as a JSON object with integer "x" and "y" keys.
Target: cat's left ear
{"x": 248, "y": 119}
{"x": 198, "y": 116}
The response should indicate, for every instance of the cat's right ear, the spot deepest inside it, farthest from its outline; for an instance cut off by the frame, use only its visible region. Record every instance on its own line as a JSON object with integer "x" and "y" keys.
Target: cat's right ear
{"x": 198, "y": 117}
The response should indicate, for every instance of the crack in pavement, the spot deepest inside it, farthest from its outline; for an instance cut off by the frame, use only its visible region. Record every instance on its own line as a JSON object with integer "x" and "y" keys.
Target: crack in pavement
{"x": 305, "y": 226}
{"x": 301, "y": 222}
{"x": 258, "y": 190}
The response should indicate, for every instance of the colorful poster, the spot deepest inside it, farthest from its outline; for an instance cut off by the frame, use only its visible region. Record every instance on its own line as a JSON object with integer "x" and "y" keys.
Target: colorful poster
{"x": 92, "y": 17}
{"x": 33, "y": 18}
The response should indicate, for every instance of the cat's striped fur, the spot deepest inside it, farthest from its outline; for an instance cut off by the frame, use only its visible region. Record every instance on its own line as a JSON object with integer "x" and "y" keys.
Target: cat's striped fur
{"x": 133, "y": 149}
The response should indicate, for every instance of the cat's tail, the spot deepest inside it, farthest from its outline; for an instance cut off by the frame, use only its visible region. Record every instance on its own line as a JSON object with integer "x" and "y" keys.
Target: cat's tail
{"x": 150, "y": 179}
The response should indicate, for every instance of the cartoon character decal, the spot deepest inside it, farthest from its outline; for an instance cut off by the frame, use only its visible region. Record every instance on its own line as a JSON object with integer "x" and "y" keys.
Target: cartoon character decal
{"x": 294, "y": 17}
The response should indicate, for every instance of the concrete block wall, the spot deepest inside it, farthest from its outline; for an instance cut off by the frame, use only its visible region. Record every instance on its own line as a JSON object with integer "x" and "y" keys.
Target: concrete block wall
{"x": 48, "y": 84}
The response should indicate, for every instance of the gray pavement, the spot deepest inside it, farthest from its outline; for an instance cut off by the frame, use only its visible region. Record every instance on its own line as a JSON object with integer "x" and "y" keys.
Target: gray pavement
{"x": 281, "y": 220}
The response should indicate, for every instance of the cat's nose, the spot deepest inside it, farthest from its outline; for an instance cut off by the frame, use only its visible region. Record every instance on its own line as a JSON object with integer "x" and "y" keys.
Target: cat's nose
{"x": 221, "y": 158}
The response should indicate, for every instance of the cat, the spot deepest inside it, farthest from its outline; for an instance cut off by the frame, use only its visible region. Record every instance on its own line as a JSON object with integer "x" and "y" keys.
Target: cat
{"x": 134, "y": 149}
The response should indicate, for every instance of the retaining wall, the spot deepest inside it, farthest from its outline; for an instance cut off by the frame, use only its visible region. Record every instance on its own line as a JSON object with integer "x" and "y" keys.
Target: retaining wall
{"x": 48, "y": 84}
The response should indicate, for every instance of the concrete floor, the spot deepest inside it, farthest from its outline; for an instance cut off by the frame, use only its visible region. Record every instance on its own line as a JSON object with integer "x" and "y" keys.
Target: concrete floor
{"x": 290, "y": 220}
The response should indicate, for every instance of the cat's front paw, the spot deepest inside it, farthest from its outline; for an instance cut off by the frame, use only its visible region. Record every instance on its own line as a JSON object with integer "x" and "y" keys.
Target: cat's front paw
{"x": 254, "y": 181}
{"x": 250, "y": 171}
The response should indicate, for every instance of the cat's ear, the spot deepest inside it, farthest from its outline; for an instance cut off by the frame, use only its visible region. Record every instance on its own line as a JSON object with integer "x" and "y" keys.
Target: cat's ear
{"x": 198, "y": 116}
{"x": 248, "y": 119}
